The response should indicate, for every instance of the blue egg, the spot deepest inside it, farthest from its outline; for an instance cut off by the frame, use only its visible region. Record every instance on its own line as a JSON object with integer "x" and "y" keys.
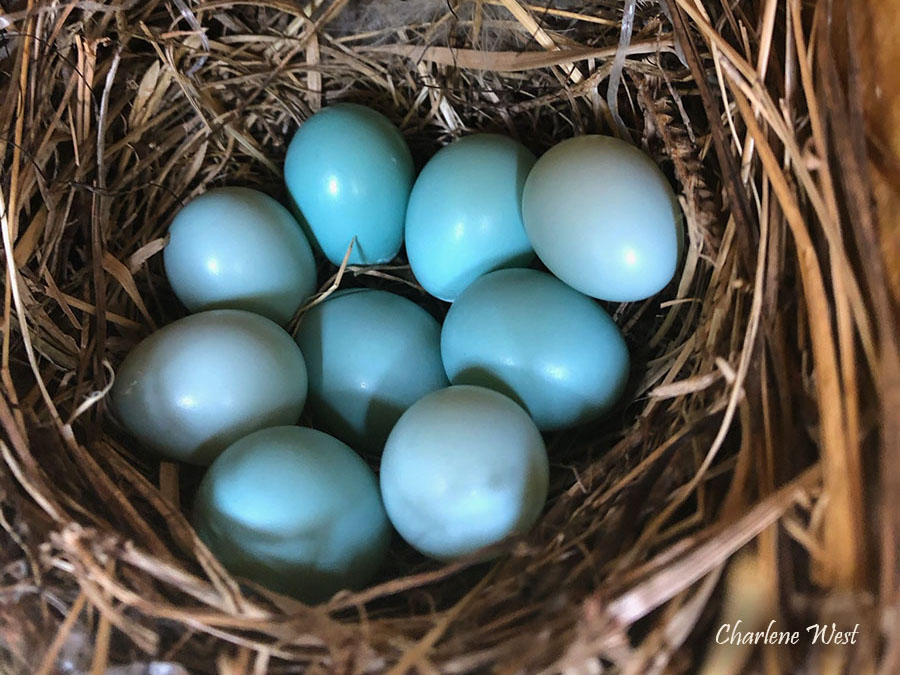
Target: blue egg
{"x": 370, "y": 355}
{"x": 465, "y": 467}
{"x": 465, "y": 213}
{"x": 294, "y": 510}
{"x": 602, "y": 217}
{"x": 237, "y": 248}
{"x": 197, "y": 385}
{"x": 349, "y": 172}
{"x": 526, "y": 334}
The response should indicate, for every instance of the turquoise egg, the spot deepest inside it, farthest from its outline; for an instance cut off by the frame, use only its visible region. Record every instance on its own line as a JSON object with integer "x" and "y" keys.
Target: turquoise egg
{"x": 464, "y": 467}
{"x": 237, "y": 248}
{"x": 349, "y": 172}
{"x": 370, "y": 355}
{"x": 197, "y": 385}
{"x": 528, "y": 335}
{"x": 294, "y": 510}
{"x": 602, "y": 217}
{"x": 465, "y": 213}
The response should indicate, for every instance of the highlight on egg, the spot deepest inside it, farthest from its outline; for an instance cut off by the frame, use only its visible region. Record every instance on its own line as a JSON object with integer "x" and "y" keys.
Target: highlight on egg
{"x": 295, "y": 510}
{"x": 349, "y": 173}
{"x": 465, "y": 213}
{"x": 237, "y": 248}
{"x": 370, "y": 354}
{"x": 465, "y": 467}
{"x": 603, "y": 218}
{"x": 530, "y": 336}
{"x": 197, "y": 385}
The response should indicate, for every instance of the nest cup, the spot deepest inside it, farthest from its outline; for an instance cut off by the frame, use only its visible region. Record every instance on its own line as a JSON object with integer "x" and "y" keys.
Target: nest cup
{"x": 748, "y": 476}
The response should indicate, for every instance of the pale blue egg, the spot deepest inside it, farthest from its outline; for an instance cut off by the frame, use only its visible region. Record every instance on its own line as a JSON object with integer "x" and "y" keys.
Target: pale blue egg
{"x": 602, "y": 217}
{"x": 197, "y": 385}
{"x": 237, "y": 248}
{"x": 370, "y": 355}
{"x": 465, "y": 213}
{"x": 294, "y": 510}
{"x": 528, "y": 335}
{"x": 349, "y": 172}
{"x": 465, "y": 467}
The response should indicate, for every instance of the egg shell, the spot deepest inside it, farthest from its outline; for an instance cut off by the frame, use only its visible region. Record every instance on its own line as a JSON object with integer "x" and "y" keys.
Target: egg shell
{"x": 197, "y": 385}
{"x": 602, "y": 217}
{"x": 295, "y": 510}
{"x": 465, "y": 467}
{"x": 370, "y": 354}
{"x": 237, "y": 248}
{"x": 530, "y": 336}
{"x": 350, "y": 172}
{"x": 465, "y": 213}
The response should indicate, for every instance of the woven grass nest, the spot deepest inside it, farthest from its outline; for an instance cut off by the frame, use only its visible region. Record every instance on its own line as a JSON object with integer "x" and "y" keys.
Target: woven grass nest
{"x": 752, "y": 473}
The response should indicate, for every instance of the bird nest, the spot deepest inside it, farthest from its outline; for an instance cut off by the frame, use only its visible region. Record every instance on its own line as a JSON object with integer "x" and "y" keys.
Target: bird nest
{"x": 751, "y": 473}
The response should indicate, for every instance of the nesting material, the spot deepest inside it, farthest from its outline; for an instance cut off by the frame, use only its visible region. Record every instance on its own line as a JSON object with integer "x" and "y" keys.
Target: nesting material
{"x": 761, "y": 426}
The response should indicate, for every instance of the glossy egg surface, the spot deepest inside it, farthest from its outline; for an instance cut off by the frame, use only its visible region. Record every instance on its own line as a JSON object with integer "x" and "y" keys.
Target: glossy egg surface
{"x": 197, "y": 385}
{"x": 237, "y": 248}
{"x": 463, "y": 468}
{"x": 532, "y": 337}
{"x": 602, "y": 217}
{"x": 370, "y": 355}
{"x": 465, "y": 213}
{"x": 350, "y": 172}
{"x": 295, "y": 510}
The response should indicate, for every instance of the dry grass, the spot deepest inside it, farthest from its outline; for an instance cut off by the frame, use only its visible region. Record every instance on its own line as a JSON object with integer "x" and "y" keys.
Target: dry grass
{"x": 751, "y": 475}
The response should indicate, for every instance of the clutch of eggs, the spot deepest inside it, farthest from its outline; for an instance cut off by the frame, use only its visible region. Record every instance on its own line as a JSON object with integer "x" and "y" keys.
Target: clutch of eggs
{"x": 456, "y": 409}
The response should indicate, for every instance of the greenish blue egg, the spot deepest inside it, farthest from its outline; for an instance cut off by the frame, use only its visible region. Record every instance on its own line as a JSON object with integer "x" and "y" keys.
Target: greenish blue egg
{"x": 370, "y": 355}
{"x": 532, "y": 337}
{"x": 349, "y": 172}
{"x": 237, "y": 248}
{"x": 294, "y": 510}
{"x": 465, "y": 467}
{"x": 197, "y": 385}
{"x": 602, "y": 217}
{"x": 465, "y": 213}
